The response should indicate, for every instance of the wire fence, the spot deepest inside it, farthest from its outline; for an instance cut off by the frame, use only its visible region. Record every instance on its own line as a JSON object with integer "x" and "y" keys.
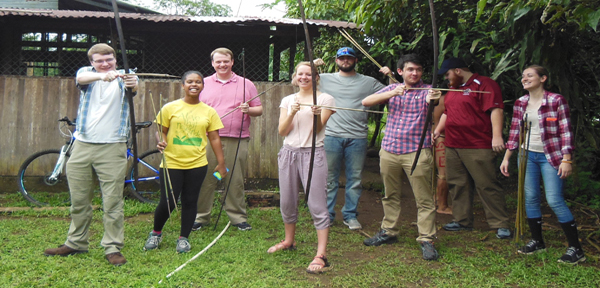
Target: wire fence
{"x": 62, "y": 54}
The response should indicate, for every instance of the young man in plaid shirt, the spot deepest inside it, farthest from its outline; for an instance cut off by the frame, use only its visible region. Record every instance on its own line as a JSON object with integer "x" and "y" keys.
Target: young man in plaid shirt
{"x": 407, "y": 113}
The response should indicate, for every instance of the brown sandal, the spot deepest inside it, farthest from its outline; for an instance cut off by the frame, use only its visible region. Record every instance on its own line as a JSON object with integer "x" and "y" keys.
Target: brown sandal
{"x": 323, "y": 267}
{"x": 281, "y": 246}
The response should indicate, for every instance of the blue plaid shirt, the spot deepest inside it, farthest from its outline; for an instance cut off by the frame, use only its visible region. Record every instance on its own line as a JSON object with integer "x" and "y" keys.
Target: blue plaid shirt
{"x": 405, "y": 120}
{"x": 84, "y": 103}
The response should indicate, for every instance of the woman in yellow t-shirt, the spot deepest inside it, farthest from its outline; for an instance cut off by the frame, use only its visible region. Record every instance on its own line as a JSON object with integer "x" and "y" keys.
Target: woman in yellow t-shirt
{"x": 187, "y": 124}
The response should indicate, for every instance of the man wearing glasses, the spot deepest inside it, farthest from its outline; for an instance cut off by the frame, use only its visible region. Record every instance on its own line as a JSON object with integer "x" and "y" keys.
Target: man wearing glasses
{"x": 102, "y": 132}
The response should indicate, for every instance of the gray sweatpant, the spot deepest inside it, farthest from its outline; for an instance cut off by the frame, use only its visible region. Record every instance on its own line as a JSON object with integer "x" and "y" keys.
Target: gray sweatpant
{"x": 293, "y": 170}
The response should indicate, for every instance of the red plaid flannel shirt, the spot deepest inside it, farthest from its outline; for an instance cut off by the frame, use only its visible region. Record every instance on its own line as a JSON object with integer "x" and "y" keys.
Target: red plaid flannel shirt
{"x": 555, "y": 126}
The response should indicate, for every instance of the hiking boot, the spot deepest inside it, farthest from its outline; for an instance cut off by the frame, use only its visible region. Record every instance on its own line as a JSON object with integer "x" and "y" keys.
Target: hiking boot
{"x": 429, "y": 252}
{"x": 503, "y": 233}
{"x": 116, "y": 259}
{"x": 197, "y": 226}
{"x": 572, "y": 256}
{"x": 381, "y": 238}
{"x": 183, "y": 245}
{"x": 532, "y": 247}
{"x": 244, "y": 226}
{"x": 455, "y": 226}
{"x": 153, "y": 241}
{"x": 353, "y": 224}
{"x": 63, "y": 250}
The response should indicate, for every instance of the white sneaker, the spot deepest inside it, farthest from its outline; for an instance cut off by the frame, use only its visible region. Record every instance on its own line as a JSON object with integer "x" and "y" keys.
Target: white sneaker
{"x": 353, "y": 224}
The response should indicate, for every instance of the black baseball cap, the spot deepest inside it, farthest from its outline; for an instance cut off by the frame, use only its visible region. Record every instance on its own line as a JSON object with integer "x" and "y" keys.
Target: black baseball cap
{"x": 452, "y": 63}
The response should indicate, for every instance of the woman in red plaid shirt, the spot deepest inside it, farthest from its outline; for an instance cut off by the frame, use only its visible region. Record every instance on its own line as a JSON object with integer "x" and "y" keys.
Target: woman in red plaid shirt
{"x": 550, "y": 147}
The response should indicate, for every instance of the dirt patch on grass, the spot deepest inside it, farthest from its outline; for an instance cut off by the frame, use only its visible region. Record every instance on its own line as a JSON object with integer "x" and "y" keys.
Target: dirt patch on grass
{"x": 371, "y": 214}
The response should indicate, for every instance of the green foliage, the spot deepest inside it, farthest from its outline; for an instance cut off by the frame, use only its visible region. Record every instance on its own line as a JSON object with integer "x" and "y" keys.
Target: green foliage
{"x": 192, "y": 7}
{"x": 499, "y": 38}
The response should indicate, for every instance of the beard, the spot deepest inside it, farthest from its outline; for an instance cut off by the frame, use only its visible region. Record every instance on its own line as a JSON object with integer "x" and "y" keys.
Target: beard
{"x": 456, "y": 82}
{"x": 347, "y": 69}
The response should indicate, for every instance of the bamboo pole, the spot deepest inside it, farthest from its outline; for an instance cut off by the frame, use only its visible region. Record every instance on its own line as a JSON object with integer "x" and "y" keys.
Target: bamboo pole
{"x": 167, "y": 178}
{"x": 349, "y": 38}
{"x": 525, "y": 131}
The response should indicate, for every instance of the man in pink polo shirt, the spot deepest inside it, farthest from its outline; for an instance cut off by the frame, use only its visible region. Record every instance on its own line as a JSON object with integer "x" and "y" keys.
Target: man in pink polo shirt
{"x": 224, "y": 91}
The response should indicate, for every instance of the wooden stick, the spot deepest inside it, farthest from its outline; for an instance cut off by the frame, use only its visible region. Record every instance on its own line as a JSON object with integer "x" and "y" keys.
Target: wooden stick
{"x": 342, "y": 108}
{"x": 446, "y": 89}
{"x": 260, "y": 94}
{"x": 155, "y": 75}
{"x": 167, "y": 178}
{"x": 349, "y": 38}
{"x": 199, "y": 253}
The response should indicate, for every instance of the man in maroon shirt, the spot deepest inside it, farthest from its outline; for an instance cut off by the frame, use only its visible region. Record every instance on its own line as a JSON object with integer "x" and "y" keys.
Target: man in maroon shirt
{"x": 473, "y": 128}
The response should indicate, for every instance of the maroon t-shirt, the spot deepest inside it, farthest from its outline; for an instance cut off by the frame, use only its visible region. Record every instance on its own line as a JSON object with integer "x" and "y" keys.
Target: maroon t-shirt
{"x": 468, "y": 123}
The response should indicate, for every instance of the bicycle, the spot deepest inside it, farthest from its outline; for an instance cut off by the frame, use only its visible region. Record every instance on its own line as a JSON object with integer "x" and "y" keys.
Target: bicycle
{"x": 43, "y": 181}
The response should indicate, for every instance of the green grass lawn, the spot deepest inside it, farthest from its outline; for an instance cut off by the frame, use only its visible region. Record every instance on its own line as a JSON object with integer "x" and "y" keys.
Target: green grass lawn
{"x": 239, "y": 259}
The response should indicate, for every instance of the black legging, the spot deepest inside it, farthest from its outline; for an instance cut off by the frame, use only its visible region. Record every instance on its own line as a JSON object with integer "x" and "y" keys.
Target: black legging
{"x": 186, "y": 183}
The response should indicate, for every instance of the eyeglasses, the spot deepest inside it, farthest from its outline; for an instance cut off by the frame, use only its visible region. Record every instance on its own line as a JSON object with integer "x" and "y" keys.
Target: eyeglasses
{"x": 104, "y": 61}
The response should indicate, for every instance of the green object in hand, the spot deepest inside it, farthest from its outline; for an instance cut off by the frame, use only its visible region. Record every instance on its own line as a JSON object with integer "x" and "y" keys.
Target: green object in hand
{"x": 218, "y": 175}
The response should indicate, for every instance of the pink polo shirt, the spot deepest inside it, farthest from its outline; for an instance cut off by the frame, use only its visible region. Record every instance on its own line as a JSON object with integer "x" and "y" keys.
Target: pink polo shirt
{"x": 224, "y": 97}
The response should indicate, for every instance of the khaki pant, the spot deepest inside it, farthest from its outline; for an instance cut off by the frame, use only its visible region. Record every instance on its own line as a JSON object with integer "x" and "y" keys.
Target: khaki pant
{"x": 392, "y": 167}
{"x": 470, "y": 170}
{"x": 235, "y": 204}
{"x": 109, "y": 161}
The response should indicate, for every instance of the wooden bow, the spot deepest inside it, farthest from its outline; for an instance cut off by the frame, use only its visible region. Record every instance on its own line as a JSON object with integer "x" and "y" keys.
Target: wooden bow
{"x": 313, "y": 73}
{"x": 433, "y": 84}
{"x": 128, "y": 92}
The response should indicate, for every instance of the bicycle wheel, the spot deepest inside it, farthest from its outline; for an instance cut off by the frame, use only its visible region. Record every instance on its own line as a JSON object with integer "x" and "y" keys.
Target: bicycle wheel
{"x": 35, "y": 183}
{"x": 147, "y": 188}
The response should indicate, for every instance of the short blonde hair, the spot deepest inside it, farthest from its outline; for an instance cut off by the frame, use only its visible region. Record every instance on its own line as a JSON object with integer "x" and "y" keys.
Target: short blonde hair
{"x": 102, "y": 49}
{"x": 303, "y": 63}
{"x": 221, "y": 50}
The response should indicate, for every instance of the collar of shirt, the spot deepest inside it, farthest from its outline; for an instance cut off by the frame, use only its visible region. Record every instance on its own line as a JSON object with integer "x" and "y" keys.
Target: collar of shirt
{"x": 234, "y": 78}
{"x": 470, "y": 81}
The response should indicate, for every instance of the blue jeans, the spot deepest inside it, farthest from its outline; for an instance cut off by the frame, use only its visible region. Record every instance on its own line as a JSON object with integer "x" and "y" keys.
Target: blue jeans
{"x": 538, "y": 166}
{"x": 352, "y": 153}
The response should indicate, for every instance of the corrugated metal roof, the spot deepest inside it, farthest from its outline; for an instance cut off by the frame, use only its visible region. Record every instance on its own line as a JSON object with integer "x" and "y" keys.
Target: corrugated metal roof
{"x": 42, "y": 13}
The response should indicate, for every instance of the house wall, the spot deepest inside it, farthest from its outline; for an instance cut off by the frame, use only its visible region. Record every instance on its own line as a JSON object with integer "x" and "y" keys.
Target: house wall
{"x": 31, "y": 106}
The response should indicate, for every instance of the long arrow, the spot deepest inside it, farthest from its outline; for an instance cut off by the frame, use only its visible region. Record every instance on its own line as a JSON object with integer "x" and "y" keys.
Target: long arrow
{"x": 342, "y": 108}
{"x": 445, "y": 89}
{"x": 156, "y": 75}
{"x": 260, "y": 94}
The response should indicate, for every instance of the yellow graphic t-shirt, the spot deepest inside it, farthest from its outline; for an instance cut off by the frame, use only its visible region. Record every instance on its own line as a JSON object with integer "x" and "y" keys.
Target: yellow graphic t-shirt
{"x": 186, "y": 139}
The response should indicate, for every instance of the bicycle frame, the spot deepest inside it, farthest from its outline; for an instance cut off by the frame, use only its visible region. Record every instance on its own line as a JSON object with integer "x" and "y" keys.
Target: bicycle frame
{"x": 130, "y": 155}
{"x": 32, "y": 177}
{"x": 58, "y": 168}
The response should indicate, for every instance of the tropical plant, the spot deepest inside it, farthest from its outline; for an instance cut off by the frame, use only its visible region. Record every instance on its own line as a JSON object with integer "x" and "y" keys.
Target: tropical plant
{"x": 191, "y": 7}
{"x": 499, "y": 38}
